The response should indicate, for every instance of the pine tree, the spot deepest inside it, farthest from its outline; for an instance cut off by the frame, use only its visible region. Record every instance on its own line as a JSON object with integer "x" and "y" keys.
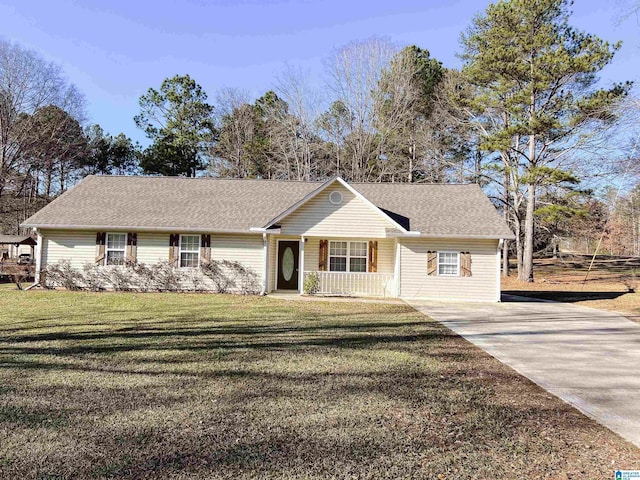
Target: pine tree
{"x": 539, "y": 76}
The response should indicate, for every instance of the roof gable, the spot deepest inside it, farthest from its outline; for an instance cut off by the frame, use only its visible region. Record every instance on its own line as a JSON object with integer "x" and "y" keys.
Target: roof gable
{"x": 338, "y": 212}
{"x": 342, "y": 185}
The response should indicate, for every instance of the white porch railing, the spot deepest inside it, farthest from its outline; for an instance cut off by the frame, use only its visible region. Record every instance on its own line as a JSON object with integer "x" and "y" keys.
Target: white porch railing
{"x": 350, "y": 283}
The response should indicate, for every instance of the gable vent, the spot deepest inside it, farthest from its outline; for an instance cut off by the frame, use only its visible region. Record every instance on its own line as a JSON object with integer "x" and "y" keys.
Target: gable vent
{"x": 335, "y": 197}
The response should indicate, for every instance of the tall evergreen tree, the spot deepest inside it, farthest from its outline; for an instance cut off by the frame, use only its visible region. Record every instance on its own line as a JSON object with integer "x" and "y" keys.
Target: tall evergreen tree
{"x": 538, "y": 74}
{"x": 178, "y": 119}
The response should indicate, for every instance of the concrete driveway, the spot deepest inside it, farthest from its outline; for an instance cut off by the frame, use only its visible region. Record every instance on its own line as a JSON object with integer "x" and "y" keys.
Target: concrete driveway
{"x": 587, "y": 357}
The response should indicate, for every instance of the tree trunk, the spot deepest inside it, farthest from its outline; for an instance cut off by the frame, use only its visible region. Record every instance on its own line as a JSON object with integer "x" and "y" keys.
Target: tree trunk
{"x": 527, "y": 260}
{"x": 507, "y": 206}
{"x": 519, "y": 247}
{"x": 505, "y": 258}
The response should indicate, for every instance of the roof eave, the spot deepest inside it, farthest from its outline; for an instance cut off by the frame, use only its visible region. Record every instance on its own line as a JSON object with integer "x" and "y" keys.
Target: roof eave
{"x": 453, "y": 235}
{"x": 137, "y": 228}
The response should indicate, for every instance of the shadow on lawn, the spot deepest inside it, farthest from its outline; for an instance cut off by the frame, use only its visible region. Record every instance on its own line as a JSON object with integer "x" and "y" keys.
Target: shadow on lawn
{"x": 292, "y": 401}
{"x": 561, "y": 296}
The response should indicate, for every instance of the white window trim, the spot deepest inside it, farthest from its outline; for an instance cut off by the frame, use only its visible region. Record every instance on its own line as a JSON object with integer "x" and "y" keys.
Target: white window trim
{"x": 348, "y": 270}
{"x": 197, "y": 251}
{"x": 457, "y": 254}
{"x": 107, "y": 249}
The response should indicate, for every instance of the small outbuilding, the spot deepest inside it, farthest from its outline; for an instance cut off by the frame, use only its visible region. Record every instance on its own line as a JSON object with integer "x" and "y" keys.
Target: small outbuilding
{"x": 12, "y": 246}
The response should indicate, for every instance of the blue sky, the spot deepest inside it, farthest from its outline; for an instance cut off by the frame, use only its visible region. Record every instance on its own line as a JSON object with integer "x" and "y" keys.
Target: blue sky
{"x": 115, "y": 50}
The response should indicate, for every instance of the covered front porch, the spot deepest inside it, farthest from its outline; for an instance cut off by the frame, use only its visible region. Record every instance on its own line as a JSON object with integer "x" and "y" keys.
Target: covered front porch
{"x": 333, "y": 266}
{"x": 352, "y": 284}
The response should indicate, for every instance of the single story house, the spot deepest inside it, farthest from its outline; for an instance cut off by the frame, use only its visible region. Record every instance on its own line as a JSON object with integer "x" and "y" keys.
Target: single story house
{"x": 373, "y": 239}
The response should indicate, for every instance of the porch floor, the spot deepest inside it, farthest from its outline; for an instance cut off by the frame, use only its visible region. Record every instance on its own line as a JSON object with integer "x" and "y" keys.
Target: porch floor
{"x": 294, "y": 295}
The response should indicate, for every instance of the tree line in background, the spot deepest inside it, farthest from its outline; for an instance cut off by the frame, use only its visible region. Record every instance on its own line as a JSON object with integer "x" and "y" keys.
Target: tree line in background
{"x": 524, "y": 117}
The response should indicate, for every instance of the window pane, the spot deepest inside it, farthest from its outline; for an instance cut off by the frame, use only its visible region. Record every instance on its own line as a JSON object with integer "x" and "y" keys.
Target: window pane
{"x": 338, "y": 264}
{"x": 358, "y": 249}
{"x": 115, "y": 257}
{"x": 188, "y": 259}
{"x": 116, "y": 241}
{"x": 338, "y": 248}
{"x": 357, "y": 264}
{"x": 445, "y": 269}
{"x": 448, "y": 263}
{"x": 448, "y": 257}
{"x": 190, "y": 243}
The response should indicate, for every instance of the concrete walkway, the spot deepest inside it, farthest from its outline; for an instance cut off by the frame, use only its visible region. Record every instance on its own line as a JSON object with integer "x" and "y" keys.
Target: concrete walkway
{"x": 587, "y": 357}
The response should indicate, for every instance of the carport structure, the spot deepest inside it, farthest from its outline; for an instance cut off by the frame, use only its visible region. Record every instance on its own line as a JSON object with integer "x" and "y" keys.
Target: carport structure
{"x": 15, "y": 241}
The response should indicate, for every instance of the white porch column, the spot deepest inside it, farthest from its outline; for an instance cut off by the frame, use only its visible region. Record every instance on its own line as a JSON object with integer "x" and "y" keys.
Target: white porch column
{"x": 301, "y": 266}
{"x": 265, "y": 265}
{"x": 38, "y": 258}
{"x": 396, "y": 269}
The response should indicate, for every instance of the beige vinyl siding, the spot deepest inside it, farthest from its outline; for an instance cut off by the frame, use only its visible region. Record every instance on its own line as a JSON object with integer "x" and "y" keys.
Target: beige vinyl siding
{"x": 352, "y": 218}
{"x": 245, "y": 249}
{"x": 481, "y": 286}
{"x": 77, "y": 247}
{"x": 80, "y": 248}
{"x": 153, "y": 247}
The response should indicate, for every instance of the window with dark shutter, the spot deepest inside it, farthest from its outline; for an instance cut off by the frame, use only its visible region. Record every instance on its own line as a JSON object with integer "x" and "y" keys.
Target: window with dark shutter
{"x": 465, "y": 264}
{"x": 174, "y": 253}
{"x": 432, "y": 263}
{"x": 205, "y": 249}
{"x": 101, "y": 240}
{"x": 132, "y": 248}
{"x": 373, "y": 256}
{"x": 323, "y": 257}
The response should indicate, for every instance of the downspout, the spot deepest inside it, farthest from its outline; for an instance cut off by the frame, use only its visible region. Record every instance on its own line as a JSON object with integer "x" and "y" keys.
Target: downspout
{"x": 265, "y": 266}
{"x": 498, "y": 277}
{"x": 36, "y": 275}
{"x": 301, "y": 268}
{"x": 396, "y": 269}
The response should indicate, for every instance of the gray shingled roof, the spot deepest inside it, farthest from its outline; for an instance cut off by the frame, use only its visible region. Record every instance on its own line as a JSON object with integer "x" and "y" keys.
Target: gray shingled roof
{"x": 210, "y": 204}
{"x": 439, "y": 209}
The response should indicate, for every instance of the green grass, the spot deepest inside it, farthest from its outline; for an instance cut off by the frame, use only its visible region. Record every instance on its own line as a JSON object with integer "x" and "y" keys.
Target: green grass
{"x": 120, "y": 385}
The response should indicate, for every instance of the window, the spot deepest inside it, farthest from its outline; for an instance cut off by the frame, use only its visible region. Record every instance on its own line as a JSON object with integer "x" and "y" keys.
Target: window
{"x": 357, "y": 256}
{"x": 189, "y": 250}
{"x": 449, "y": 263}
{"x": 115, "y": 248}
{"x": 338, "y": 256}
{"x": 347, "y": 256}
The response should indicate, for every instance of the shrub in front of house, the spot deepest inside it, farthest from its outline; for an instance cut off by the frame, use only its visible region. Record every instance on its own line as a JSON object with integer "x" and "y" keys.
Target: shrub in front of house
{"x": 311, "y": 284}
{"x": 216, "y": 276}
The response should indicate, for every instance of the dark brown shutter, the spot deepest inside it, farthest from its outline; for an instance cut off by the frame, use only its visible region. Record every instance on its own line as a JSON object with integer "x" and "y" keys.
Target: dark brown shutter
{"x": 132, "y": 248}
{"x": 205, "y": 249}
{"x": 465, "y": 264}
{"x": 174, "y": 252}
{"x": 323, "y": 258}
{"x": 373, "y": 256}
{"x": 432, "y": 263}
{"x": 101, "y": 239}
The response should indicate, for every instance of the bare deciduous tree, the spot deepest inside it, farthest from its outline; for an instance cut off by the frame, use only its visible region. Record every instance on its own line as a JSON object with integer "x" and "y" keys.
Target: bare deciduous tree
{"x": 354, "y": 74}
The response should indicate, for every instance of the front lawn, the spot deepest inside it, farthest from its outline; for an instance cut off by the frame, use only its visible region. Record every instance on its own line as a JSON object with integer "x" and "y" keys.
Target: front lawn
{"x": 118, "y": 385}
